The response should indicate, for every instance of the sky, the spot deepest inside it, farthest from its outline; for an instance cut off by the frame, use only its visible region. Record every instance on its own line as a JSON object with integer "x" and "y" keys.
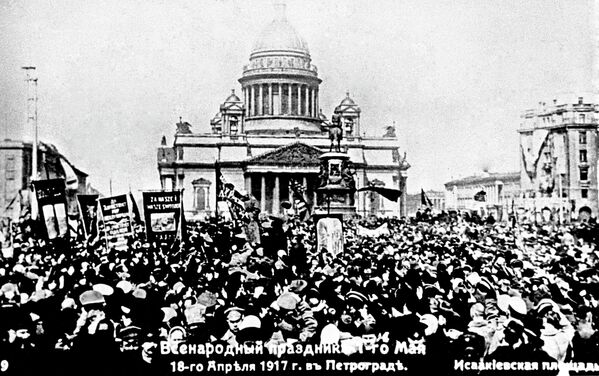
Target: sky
{"x": 454, "y": 76}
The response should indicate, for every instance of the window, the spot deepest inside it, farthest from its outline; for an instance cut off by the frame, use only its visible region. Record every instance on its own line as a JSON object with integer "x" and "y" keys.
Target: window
{"x": 581, "y": 118}
{"x": 584, "y": 174}
{"x": 201, "y": 193}
{"x": 584, "y": 193}
{"x": 180, "y": 153}
{"x": 582, "y": 137}
{"x": 582, "y": 156}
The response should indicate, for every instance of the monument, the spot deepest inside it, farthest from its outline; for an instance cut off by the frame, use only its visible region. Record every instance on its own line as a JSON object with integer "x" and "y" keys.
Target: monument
{"x": 335, "y": 194}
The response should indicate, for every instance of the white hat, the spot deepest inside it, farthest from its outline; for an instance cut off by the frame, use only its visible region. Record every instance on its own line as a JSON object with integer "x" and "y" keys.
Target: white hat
{"x": 103, "y": 289}
{"x": 330, "y": 334}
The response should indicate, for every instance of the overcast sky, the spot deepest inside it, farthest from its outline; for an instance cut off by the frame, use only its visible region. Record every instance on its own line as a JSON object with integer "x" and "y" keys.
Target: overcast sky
{"x": 455, "y": 76}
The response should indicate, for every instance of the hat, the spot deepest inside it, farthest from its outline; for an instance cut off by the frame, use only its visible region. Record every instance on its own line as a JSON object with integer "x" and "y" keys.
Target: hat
{"x": 250, "y": 321}
{"x": 330, "y": 334}
{"x": 40, "y": 295}
{"x": 517, "y": 305}
{"x": 286, "y": 205}
{"x": 169, "y": 314}
{"x": 287, "y": 301}
{"x": 431, "y": 322}
{"x": 207, "y": 299}
{"x": 91, "y": 297}
{"x": 140, "y": 293}
{"x": 233, "y": 313}
{"x": 103, "y": 289}
{"x": 298, "y": 285}
{"x": 503, "y": 302}
{"x": 194, "y": 314}
{"x": 178, "y": 287}
{"x": 9, "y": 287}
{"x": 126, "y": 286}
{"x": 129, "y": 331}
{"x": 356, "y": 297}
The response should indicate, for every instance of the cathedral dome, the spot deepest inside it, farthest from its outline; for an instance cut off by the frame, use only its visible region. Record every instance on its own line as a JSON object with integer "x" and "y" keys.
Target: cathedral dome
{"x": 279, "y": 35}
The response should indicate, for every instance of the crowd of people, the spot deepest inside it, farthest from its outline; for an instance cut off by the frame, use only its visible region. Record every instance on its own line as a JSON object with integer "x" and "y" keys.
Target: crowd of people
{"x": 456, "y": 290}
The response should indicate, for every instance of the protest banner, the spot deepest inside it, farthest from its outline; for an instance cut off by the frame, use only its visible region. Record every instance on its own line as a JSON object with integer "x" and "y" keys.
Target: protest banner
{"x": 374, "y": 232}
{"x": 329, "y": 233}
{"x": 163, "y": 215}
{"x": 52, "y": 203}
{"x": 88, "y": 212}
{"x": 116, "y": 220}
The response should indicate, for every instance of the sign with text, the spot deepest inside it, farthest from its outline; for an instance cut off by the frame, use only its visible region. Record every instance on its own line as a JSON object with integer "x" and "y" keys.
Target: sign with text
{"x": 52, "y": 204}
{"x": 116, "y": 220}
{"x": 162, "y": 212}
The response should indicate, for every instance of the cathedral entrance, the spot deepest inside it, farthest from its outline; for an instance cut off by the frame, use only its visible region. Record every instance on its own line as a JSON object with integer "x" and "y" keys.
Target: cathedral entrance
{"x": 273, "y": 188}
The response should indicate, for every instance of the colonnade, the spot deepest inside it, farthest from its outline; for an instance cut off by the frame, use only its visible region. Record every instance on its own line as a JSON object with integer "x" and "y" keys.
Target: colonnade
{"x": 281, "y": 99}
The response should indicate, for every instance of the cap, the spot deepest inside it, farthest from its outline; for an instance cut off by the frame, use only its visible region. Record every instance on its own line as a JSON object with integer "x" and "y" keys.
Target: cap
{"x": 287, "y": 301}
{"x": 103, "y": 289}
{"x": 194, "y": 314}
{"x": 233, "y": 313}
{"x": 140, "y": 293}
{"x": 125, "y": 286}
{"x": 298, "y": 285}
{"x": 129, "y": 331}
{"x": 91, "y": 297}
{"x": 250, "y": 321}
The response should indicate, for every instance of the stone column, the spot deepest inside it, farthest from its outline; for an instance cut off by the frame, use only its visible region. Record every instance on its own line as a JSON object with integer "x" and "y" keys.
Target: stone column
{"x": 260, "y": 101}
{"x": 275, "y": 196}
{"x": 270, "y": 106}
{"x": 306, "y": 100}
{"x": 289, "y": 101}
{"x": 263, "y": 193}
{"x": 280, "y": 99}
{"x": 248, "y": 183}
{"x": 316, "y": 107}
{"x": 251, "y": 101}
{"x": 299, "y": 99}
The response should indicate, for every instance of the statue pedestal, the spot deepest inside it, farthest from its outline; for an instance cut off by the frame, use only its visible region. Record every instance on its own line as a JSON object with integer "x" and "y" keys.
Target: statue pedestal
{"x": 335, "y": 194}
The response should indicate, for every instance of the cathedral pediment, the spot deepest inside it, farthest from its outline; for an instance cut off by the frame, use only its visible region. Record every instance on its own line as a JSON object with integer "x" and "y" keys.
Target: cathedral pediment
{"x": 296, "y": 154}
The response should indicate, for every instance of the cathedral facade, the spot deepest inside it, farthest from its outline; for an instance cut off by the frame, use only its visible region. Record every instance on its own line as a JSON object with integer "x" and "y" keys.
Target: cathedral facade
{"x": 272, "y": 134}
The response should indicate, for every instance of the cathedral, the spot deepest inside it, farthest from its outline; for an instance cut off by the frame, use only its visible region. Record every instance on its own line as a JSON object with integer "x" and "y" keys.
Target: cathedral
{"x": 272, "y": 133}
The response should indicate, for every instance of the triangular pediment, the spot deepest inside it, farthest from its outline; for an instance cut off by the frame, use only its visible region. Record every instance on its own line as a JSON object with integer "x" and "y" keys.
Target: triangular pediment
{"x": 296, "y": 154}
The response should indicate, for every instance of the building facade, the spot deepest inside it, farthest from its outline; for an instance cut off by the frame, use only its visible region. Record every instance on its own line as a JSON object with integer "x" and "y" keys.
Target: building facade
{"x": 274, "y": 132}
{"x": 558, "y": 163}
{"x": 414, "y": 202}
{"x": 16, "y": 172}
{"x": 501, "y": 192}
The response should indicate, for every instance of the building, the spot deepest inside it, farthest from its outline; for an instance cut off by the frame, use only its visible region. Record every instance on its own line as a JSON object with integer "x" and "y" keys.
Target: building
{"x": 414, "y": 202}
{"x": 486, "y": 194}
{"x": 558, "y": 162}
{"x": 15, "y": 170}
{"x": 274, "y": 132}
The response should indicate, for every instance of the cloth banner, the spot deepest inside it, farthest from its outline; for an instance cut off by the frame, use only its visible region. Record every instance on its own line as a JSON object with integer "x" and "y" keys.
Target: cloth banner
{"x": 373, "y": 233}
{"x": 88, "y": 212}
{"x": 116, "y": 220}
{"x": 52, "y": 205}
{"x": 163, "y": 215}
{"x": 329, "y": 235}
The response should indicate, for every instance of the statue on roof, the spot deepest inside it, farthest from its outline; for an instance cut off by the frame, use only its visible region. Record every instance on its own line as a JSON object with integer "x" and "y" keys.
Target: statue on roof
{"x": 335, "y": 133}
{"x": 183, "y": 127}
{"x": 390, "y": 131}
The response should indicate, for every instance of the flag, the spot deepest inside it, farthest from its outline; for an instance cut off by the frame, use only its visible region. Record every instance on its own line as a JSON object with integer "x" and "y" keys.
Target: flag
{"x": 424, "y": 200}
{"x": 388, "y": 193}
{"x": 71, "y": 178}
{"x": 480, "y": 196}
{"x": 52, "y": 201}
{"x": 135, "y": 216}
{"x": 300, "y": 203}
{"x": 88, "y": 213}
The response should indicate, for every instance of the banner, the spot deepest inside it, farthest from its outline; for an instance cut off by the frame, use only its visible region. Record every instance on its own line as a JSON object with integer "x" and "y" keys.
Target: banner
{"x": 163, "y": 213}
{"x": 52, "y": 205}
{"x": 373, "y": 233}
{"x": 88, "y": 212}
{"x": 329, "y": 234}
{"x": 116, "y": 220}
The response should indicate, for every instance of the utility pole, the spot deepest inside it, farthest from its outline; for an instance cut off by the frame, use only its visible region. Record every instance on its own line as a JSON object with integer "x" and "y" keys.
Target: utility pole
{"x": 32, "y": 116}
